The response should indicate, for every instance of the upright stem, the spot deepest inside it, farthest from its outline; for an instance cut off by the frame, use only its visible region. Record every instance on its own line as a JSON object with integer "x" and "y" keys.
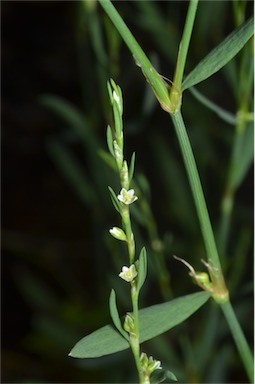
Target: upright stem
{"x": 196, "y": 188}
{"x": 184, "y": 44}
{"x": 220, "y": 292}
{"x": 241, "y": 343}
{"x": 129, "y": 233}
{"x": 134, "y": 340}
{"x": 210, "y": 244}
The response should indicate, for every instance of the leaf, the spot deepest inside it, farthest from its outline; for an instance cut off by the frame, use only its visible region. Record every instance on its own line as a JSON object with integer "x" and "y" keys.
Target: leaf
{"x": 220, "y": 55}
{"x": 142, "y": 268}
{"x": 71, "y": 170}
{"x": 64, "y": 109}
{"x": 160, "y": 375}
{"x": 109, "y": 139}
{"x": 245, "y": 154}
{"x": 102, "y": 342}
{"x": 108, "y": 159}
{"x": 222, "y": 113}
{"x": 131, "y": 167}
{"x": 153, "y": 321}
{"x": 115, "y": 314}
{"x": 115, "y": 201}
{"x": 73, "y": 117}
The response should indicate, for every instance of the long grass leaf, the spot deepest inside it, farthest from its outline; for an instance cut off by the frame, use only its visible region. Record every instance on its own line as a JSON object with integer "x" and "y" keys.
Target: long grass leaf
{"x": 220, "y": 55}
{"x": 222, "y": 113}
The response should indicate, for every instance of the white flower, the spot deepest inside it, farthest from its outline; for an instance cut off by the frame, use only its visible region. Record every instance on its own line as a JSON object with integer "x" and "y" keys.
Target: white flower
{"x": 127, "y": 197}
{"x": 118, "y": 233}
{"x": 128, "y": 274}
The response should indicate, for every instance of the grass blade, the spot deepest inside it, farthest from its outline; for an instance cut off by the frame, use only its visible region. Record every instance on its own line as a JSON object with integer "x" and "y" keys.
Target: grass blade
{"x": 220, "y": 55}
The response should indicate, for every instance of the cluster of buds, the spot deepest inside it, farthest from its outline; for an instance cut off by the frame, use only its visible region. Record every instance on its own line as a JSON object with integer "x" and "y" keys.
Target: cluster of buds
{"x": 129, "y": 324}
{"x": 149, "y": 365}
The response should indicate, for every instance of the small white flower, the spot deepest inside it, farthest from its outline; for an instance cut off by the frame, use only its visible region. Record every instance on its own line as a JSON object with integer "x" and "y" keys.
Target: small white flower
{"x": 118, "y": 233}
{"x": 128, "y": 274}
{"x": 127, "y": 197}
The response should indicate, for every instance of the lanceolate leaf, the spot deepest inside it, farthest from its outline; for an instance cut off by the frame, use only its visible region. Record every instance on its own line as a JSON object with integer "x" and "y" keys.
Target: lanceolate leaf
{"x": 220, "y": 55}
{"x": 109, "y": 139}
{"x": 115, "y": 314}
{"x": 153, "y": 321}
{"x": 108, "y": 159}
{"x": 65, "y": 110}
{"x": 142, "y": 269}
{"x": 245, "y": 155}
{"x": 222, "y": 113}
{"x": 131, "y": 167}
{"x": 115, "y": 201}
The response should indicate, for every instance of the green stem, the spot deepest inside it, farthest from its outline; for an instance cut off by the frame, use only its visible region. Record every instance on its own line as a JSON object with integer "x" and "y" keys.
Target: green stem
{"x": 210, "y": 245}
{"x": 134, "y": 341}
{"x": 221, "y": 293}
{"x": 196, "y": 188}
{"x": 184, "y": 45}
{"x": 175, "y": 96}
{"x": 129, "y": 233}
{"x": 241, "y": 343}
{"x": 149, "y": 72}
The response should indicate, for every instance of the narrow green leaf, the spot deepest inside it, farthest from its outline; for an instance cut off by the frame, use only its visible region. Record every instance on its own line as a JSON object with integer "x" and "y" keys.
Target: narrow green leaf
{"x": 73, "y": 118}
{"x": 64, "y": 109}
{"x": 170, "y": 375}
{"x": 115, "y": 314}
{"x": 108, "y": 159}
{"x": 222, "y": 113}
{"x": 142, "y": 268}
{"x": 109, "y": 139}
{"x": 115, "y": 201}
{"x": 245, "y": 155}
{"x": 220, "y": 55}
{"x": 160, "y": 375}
{"x": 153, "y": 320}
{"x": 131, "y": 167}
{"x": 71, "y": 170}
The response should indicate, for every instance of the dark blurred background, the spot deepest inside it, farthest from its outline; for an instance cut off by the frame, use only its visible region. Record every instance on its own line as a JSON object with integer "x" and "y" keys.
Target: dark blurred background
{"x": 58, "y": 260}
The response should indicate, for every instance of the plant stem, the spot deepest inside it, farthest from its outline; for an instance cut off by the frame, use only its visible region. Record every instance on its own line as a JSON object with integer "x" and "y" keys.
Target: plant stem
{"x": 241, "y": 343}
{"x": 134, "y": 340}
{"x": 129, "y": 233}
{"x": 141, "y": 59}
{"x": 184, "y": 45}
{"x": 196, "y": 188}
{"x": 210, "y": 245}
{"x": 220, "y": 292}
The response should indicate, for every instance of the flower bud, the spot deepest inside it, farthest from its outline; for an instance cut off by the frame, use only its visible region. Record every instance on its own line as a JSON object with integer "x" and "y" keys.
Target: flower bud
{"x": 149, "y": 365}
{"x": 118, "y": 233}
{"x": 124, "y": 175}
{"x": 118, "y": 154}
{"x": 129, "y": 324}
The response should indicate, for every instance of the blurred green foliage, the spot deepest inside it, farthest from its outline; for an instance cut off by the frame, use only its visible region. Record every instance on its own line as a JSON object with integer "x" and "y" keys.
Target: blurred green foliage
{"x": 59, "y": 260}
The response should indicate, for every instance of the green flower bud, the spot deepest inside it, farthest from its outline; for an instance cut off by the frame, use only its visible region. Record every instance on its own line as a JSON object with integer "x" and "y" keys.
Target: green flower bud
{"x": 149, "y": 365}
{"x": 118, "y": 233}
{"x": 129, "y": 324}
{"x": 124, "y": 175}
